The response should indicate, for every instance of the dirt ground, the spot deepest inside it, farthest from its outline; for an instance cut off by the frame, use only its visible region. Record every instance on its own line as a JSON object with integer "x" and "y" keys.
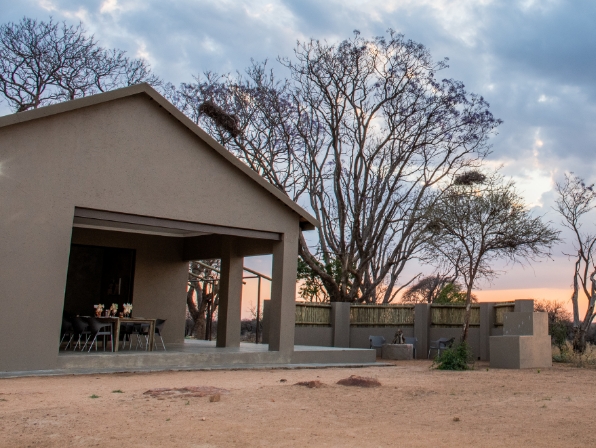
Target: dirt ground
{"x": 415, "y": 406}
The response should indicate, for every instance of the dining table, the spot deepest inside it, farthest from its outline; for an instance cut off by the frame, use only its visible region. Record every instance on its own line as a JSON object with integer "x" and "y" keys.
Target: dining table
{"x": 116, "y": 323}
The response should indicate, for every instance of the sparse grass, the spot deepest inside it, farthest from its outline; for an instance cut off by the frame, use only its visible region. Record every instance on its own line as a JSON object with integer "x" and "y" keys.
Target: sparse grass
{"x": 94, "y": 396}
{"x": 565, "y": 354}
{"x": 117, "y": 391}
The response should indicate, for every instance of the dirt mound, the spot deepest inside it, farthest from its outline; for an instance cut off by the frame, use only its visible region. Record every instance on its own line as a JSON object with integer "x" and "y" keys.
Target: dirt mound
{"x": 311, "y": 384}
{"x": 185, "y": 392}
{"x": 359, "y": 381}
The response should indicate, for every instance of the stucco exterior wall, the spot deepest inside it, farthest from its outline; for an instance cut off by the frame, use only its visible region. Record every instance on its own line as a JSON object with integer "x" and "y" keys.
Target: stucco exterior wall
{"x": 128, "y": 155}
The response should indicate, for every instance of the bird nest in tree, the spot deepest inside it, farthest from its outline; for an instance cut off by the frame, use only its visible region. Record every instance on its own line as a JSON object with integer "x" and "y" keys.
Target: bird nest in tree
{"x": 221, "y": 118}
{"x": 470, "y": 178}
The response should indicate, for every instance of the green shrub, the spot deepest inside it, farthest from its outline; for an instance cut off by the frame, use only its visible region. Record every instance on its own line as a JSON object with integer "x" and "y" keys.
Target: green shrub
{"x": 558, "y": 331}
{"x": 455, "y": 358}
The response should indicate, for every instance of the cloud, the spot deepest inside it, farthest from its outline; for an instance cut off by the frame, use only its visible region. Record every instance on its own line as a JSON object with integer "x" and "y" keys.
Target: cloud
{"x": 533, "y": 60}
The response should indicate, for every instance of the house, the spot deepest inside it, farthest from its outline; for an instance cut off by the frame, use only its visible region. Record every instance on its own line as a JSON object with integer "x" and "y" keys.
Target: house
{"x": 125, "y": 186}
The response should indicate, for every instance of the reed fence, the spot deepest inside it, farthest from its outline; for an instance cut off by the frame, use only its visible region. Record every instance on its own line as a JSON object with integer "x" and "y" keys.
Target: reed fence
{"x": 500, "y": 310}
{"x": 381, "y": 315}
{"x": 313, "y": 314}
{"x": 453, "y": 315}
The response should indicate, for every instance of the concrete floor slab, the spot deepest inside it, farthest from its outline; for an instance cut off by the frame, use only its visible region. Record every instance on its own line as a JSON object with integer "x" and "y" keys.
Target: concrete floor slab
{"x": 204, "y": 355}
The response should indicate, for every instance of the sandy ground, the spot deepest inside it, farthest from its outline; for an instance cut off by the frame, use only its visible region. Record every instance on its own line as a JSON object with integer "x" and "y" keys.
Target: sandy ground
{"x": 414, "y": 406}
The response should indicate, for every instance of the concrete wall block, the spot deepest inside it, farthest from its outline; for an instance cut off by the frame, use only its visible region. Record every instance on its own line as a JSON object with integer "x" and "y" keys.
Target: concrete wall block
{"x": 535, "y": 352}
{"x": 524, "y": 306}
{"x": 520, "y": 352}
{"x": 525, "y": 324}
{"x": 314, "y": 336}
{"x": 397, "y": 351}
{"x": 505, "y": 352}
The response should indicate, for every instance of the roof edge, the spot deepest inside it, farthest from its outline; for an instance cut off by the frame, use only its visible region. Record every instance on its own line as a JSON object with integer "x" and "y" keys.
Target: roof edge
{"x": 307, "y": 221}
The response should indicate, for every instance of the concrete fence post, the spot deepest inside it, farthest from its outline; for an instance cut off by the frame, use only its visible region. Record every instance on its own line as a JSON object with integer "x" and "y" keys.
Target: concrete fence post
{"x": 340, "y": 322}
{"x": 487, "y": 322}
{"x": 422, "y": 328}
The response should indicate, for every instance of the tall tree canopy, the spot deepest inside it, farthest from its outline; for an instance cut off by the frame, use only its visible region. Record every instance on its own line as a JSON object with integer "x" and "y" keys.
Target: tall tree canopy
{"x": 361, "y": 133}
{"x": 575, "y": 201}
{"x": 46, "y": 62}
{"x": 479, "y": 219}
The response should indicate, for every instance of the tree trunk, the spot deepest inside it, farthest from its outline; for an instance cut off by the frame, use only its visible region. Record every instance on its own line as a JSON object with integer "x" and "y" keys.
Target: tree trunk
{"x": 197, "y": 312}
{"x": 464, "y": 334}
{"x": 579, "y": 340}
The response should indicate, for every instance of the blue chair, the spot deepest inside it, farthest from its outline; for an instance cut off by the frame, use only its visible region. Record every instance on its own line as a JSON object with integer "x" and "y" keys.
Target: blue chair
{"x": 376, "y": 342}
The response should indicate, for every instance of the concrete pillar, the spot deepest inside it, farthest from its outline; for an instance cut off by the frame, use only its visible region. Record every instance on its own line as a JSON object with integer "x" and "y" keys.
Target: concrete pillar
{"x": 282, "y": 310}
{"x": 230, "y": 297}
{"x": 340, "y": 322}
{"x": 524, "y": 306}
{"x": 422, "y": 328}
{"x": 487, "y": 322}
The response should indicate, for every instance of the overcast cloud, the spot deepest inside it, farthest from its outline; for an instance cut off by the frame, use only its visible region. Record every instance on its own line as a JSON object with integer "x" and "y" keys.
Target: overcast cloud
{"x": 533, "y": 60}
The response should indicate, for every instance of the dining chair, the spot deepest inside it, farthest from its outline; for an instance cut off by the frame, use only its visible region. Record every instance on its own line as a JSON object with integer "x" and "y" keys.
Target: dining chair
{"x": 159, "y": 323}
{"x": 98, "y": 328}
{"x": 67, "y": 330}
{"x": 80, "y": 329}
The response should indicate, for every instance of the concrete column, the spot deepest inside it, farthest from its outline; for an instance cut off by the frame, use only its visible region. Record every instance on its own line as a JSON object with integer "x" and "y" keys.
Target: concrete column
{"x": 282, "y": 310}
{"x": 487, "y": 322}
{"x": 230, "y": 297}
{"x": 340, "y": 321}
{"x": 422, "y": 328}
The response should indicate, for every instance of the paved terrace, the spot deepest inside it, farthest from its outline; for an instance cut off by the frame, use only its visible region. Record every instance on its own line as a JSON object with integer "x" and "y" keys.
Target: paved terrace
{"x": 203, "y": 355}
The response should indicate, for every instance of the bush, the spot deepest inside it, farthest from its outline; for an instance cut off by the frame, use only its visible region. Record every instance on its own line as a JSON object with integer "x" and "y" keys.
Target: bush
{"x": 455, "y": 358}
{"x": 565, "y": 354}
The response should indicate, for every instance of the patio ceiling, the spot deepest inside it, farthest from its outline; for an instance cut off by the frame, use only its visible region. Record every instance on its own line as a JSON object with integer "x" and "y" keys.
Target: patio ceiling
{"x": 122, "y": 222}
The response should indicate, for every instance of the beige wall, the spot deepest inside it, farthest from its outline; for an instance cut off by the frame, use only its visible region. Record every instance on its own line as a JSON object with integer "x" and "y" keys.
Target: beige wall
{"x": 127, "y": 155}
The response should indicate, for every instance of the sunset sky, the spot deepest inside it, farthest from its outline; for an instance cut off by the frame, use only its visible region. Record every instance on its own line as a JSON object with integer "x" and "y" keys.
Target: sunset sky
{"x": 534, "y": 61}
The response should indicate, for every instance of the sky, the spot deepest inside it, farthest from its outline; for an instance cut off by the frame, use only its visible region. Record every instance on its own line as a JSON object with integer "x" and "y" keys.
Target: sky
{"x": 534, "y": 61}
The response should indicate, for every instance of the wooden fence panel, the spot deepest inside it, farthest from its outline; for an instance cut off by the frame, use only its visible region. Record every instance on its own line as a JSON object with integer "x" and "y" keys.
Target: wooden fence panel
{"x": 313, "y": 314}
{"x": 381, "y": 315}
{"x": 453, "y": 315}
{"x": 500, "y": 310}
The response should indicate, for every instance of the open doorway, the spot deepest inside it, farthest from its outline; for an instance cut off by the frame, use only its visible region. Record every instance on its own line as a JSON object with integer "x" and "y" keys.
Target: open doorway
{"x": 98, "y": 275}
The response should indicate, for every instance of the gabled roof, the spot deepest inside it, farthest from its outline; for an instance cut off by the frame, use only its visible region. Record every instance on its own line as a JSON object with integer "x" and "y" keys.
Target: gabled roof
{"x": 307, "y": 221}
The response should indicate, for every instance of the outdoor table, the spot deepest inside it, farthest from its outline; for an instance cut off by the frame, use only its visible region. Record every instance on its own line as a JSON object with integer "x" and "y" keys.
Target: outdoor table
{"x": 117, "y": 321}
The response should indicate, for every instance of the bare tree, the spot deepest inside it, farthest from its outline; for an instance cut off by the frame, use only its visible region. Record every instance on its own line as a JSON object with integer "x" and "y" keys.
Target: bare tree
{"x": 427, "y": 289}
{"x": 202, "y": 297}
{"x": 361, "y": 134}
{"x": 46, "y": 62}
{"x": 575, "y": 200}
{"x": 437, "y": 288}
{"x": 478, "y": 220}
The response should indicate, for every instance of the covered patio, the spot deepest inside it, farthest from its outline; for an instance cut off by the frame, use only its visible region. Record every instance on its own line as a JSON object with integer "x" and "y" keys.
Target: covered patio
{"x": 126, "y": 176}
